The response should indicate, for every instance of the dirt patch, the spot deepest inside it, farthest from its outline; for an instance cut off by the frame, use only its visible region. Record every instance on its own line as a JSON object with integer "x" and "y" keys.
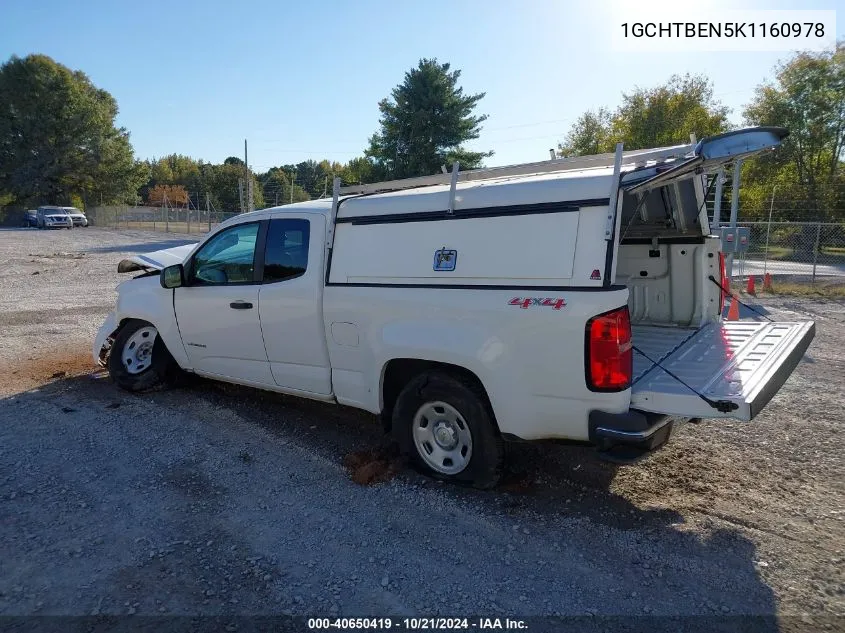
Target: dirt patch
{"x": 373, "y": 465}
{"x": 39, "y": 370}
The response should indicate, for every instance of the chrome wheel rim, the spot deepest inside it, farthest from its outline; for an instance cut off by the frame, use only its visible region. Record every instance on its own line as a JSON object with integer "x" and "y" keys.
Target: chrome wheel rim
{"x": 442, "y": 438}
{"x": 137, "y": 353}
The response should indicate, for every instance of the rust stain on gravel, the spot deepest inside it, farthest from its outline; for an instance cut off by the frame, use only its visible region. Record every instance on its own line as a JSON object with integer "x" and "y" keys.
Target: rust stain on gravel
{"x": 373, "y": 465}
{"x": 36, "y": 371}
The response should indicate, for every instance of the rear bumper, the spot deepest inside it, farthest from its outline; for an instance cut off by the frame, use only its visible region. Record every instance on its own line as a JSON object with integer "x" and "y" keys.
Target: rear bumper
{"x": 638, "y": 429}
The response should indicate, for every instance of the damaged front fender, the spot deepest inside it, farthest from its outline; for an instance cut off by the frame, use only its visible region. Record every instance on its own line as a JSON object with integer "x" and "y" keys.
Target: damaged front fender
{"x": 104, "y": 339}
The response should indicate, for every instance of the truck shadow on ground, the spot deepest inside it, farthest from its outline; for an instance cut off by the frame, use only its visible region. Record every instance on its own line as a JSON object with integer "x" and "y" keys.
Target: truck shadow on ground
{"x": 545, "y": 488}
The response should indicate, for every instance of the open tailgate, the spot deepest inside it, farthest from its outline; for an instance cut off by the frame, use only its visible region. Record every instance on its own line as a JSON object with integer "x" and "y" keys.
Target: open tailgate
{"x": 745, "y": 362}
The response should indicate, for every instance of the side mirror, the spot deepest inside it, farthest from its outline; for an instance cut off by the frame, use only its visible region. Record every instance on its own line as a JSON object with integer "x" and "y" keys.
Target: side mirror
{"x": 172, "y": 276}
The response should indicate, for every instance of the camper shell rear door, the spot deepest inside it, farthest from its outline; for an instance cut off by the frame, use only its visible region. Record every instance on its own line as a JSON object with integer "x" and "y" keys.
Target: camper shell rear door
{"x": 724, "y": 369}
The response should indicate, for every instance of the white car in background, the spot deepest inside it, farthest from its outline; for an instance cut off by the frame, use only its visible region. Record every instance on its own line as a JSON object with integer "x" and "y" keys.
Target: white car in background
{"x": 77, "y": 217}
{"x": 53, "y": 218}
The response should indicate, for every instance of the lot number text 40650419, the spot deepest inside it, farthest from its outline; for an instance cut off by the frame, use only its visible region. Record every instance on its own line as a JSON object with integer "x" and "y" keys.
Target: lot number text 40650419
{"x": 418, "y": 624}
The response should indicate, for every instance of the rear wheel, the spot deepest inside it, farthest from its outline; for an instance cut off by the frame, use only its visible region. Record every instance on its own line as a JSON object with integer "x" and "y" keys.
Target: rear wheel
{"x": 139, "y": 360}
{"x": 444, "y": 424}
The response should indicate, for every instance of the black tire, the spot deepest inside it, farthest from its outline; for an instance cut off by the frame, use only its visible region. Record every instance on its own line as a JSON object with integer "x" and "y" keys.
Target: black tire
{"x": 162, "y": 369}
{"x": 487, "y": 458}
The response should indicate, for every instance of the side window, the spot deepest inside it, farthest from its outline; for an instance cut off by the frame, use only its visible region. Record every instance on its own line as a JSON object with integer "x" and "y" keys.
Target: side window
{"x": 228, "y": 257}
{"x": 286, "y": 254}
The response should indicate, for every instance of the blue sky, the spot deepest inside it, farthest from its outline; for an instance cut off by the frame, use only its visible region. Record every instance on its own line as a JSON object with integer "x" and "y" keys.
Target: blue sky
{"x": 302, "y": 80}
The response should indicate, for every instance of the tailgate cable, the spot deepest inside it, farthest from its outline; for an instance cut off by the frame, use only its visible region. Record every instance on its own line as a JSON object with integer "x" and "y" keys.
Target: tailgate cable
{"x": 723, "y": 406}
{"x": 728, "y": 293}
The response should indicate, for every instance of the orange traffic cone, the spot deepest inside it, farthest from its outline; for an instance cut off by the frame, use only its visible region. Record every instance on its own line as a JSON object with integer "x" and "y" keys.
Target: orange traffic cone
{"x": 767, "y": 282}
{"x": 733, "y": 311}
{"x": 750, "y": 288}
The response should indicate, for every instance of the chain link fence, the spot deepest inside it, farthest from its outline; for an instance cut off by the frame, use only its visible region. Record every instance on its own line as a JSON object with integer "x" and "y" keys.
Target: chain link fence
{"x": 804, "y": 251}
{"x": 169, "y": 220}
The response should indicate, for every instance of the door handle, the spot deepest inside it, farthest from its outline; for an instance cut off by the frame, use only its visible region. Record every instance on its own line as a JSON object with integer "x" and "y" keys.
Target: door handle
{"x": 241, "y": 305}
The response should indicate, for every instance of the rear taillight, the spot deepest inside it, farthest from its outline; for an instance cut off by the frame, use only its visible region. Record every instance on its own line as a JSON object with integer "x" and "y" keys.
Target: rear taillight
{"x": 722, "y": 294}
{"x": 609, "y": 362}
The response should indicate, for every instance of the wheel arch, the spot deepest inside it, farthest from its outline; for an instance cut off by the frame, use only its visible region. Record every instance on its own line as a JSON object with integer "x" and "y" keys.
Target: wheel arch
{"x": 143, "y": 298}
{"x": 175, "y": 347}
{"x": 398, "y": 372}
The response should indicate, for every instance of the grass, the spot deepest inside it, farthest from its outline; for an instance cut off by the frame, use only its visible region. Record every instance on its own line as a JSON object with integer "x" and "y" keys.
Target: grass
{"x": 828, "y": 289}
{"x": 827, "y": 254}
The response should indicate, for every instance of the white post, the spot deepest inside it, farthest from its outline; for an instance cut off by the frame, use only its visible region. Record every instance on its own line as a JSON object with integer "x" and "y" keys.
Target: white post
{"x": 614, "y": 219}
{"x": 717, "y": 203}
{"x": 768, "y": 231}
{"x": 453, "y": 187}
{"x": 614, "y": 193}
{"x": 734, "y": 212}
{"x": 333, "y": 214}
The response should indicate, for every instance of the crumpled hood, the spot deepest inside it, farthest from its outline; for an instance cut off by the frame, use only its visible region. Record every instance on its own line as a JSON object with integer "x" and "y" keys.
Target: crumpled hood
{"x": 156, "y": 260}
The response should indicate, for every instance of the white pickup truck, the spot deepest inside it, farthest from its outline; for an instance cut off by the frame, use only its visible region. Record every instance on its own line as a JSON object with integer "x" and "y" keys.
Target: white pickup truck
{"x": 576, "y": 298}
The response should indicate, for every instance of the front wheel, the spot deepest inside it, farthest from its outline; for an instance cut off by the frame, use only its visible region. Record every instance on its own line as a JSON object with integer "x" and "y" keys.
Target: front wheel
{"x": 445, "y": 425}
{"x": 139, "y": 359}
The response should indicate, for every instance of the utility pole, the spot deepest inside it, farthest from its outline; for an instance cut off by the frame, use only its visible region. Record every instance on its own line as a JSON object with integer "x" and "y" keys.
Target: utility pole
{"x": 246, "y": 163}
{"x": 247, "y": 188}
{"x": 292, "y": 180}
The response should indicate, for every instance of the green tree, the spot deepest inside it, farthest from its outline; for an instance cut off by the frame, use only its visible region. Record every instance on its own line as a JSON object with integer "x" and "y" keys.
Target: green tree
{"x": 651, "y": 117}
{"x": 425, "y": 122}
{"x": 589, "y": 135}
{"x": 225, "y": 189}
{"x": 276, "y": 187}
{"x": 362, "y": 170}
{"x": 58, "y": 137}
{"x": 808, "y": 98}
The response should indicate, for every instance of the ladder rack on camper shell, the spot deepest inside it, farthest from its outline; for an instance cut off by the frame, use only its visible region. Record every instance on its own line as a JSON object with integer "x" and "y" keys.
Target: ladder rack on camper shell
{"x": 574, "y": 163}
{"x": 636, "y": 158}
{"x": 706, "y": 156}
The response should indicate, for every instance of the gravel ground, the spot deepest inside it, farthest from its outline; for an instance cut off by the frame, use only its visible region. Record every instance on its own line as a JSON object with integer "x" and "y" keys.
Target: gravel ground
{"x": 220, "y": 500}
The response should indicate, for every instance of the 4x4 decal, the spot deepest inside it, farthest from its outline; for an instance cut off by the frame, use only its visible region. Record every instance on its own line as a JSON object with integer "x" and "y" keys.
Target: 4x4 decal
{"x": 527, "y": 302}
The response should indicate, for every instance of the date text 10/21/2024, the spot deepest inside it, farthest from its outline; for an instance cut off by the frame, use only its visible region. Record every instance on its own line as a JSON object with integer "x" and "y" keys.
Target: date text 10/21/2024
{"x": 417, "y": 624}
